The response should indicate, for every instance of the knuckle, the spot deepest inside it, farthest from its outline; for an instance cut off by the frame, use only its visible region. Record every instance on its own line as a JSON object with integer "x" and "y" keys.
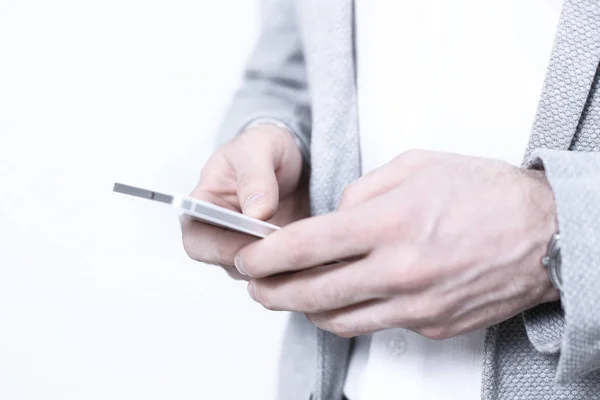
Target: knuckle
{"x": 342, "y": 328}
{"x": 411, "y": 156}
{"x": 349, "y": 196}
{"x": 437, "y": 332}
{"x": 347, "y": 334}
{"x": 244, "y": 180}
{"x": 430, "y": 311}
{"x": 405, "y": 274}
{"x": 334, "y": 323}
{"x": 387, "y": 320}
{"x": 401, "y": 226}
{"x": 395, "y": 283}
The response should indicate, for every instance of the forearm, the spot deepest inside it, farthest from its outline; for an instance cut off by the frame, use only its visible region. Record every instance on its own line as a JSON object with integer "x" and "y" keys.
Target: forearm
{"x": 274, "y": 87}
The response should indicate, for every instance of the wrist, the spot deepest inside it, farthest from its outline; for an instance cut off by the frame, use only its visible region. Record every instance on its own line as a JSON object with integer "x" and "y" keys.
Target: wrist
{"x": 545, "y": 206}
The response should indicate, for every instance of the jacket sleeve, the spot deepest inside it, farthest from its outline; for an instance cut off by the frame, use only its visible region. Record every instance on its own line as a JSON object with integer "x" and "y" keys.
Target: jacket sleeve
{"x": 274, "y": 87}
{"x": 572, "y": 330}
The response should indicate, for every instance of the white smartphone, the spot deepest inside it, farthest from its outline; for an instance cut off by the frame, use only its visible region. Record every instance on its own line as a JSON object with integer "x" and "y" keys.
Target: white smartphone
{"x": 203, "y": 211}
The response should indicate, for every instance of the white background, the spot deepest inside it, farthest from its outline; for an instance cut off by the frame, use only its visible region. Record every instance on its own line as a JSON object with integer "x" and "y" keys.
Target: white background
{"x": 97, "y": 298}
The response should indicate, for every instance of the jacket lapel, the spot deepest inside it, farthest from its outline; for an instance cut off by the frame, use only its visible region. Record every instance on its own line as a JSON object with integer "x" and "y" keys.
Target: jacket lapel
{"x": 329, "y": 42}
{"x": 569, "y": 77}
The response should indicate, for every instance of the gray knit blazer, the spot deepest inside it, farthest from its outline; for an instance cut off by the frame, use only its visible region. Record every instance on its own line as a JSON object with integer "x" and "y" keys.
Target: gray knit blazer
{"x": 302, "y": 74}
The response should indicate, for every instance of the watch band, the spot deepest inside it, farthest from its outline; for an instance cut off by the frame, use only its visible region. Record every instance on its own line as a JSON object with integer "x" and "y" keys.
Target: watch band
{"x": 552, "y": 261}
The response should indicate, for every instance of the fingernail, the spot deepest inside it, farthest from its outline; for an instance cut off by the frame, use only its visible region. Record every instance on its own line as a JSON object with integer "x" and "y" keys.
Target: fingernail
{"x": 250, "y": 288}
{"x": 254, "y": 203}
{"x": 237, "y": 261}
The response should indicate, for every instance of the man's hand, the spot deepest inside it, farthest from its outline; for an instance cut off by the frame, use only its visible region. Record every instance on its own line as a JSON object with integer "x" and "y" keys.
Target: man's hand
{"x": 438, "y": 243}
{"x": 259, "y": 173}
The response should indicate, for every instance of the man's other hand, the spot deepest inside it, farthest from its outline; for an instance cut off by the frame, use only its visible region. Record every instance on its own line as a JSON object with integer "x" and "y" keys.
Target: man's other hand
{"x": 438, "y": 243}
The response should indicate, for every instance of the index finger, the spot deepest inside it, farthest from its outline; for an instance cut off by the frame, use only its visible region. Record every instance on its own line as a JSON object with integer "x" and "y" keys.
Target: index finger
{"x": 307, "y": 243}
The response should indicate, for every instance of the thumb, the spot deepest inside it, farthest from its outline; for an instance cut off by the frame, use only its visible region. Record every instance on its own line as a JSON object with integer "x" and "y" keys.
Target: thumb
{"x": 257, "y": 187}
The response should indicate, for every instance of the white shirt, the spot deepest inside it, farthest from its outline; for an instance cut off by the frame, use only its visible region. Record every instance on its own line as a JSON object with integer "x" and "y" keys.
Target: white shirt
{"x": 460, "y": 76}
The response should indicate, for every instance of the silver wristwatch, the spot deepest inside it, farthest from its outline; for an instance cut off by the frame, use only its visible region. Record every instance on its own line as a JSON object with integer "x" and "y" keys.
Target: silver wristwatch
{"x": 552, "y": 261}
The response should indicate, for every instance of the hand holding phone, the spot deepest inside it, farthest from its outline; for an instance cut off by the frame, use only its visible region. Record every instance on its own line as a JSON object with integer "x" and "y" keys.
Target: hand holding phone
{"x": 256, "y": 177}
